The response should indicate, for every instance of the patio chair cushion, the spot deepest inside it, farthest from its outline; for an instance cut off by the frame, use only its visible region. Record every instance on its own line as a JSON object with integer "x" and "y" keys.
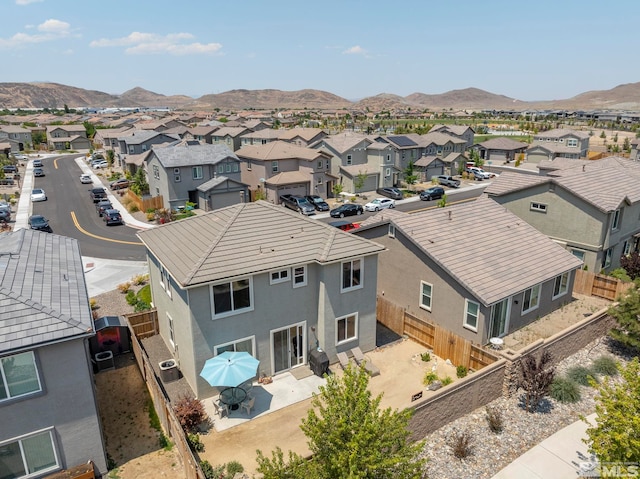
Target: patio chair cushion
{"x": 344, "y": 360}
{"x": 372, "y": 369}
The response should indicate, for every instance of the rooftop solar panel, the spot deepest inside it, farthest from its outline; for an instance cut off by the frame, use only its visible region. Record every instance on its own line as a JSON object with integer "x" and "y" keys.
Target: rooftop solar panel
{"x": 402, "y": 141}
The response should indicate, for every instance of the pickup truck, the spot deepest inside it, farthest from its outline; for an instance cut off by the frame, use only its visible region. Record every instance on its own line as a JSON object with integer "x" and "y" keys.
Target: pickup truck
{"x": 298, "y": 203}
{"x": 97, "y": 194}
{"x": 449, "y": 181}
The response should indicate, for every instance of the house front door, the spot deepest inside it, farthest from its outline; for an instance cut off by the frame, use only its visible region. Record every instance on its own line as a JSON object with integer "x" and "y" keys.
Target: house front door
{"x": 499, "y": 319}
{"x": 288, "y": 347}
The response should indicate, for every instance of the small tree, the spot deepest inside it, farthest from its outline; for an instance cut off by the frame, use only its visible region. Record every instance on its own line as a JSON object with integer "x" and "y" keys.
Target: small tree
{"x": 626, "y": 314}
{"x": 615, "y": 437}
{"x": 359, "y": 181}
{"x": 110, "y": 158}
{"x": 410, "y": 176}
{"x": 337, "y": 189}
{"x": 190, "y": 413}
{"x": 536, "y": 376}
{"x": 631, "y": 264}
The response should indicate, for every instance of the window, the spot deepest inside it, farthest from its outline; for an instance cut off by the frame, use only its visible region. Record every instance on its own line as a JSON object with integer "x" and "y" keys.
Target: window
{"x": 626, "y": 248}
{"x": 538, "y": 207}
{"x": 281, "y": 276}
{"x": 319, "y": 180}
{"x": 560, "y": 285}
{"x": 346, "y": 328}
{"x": 144, "y": 147}
{"x": 220, "y": 168}
{"x": 228, "y": 167}
{"x": 387, "y": 172}
{"x": 578, "y": 254}
{"x": 18, "y": 376}
{"x": 615, "y": 221}
{"x": 388, "y": 158}
{"x": 606, "y": 259}
{"x": 132, "y": 150}
{"x": 471, "y": 313}
{"x": 172, "y": 338}
{"x": 572, "y": 142}
{"x": 236, "y": 167}
{"x": 246, "y": 345}
{"x": 177, "y": 179}
{"x": 232, "y": 298}
{"x": 156, "y": 172}
{"x": 349, "y": 160}
{"x": 392, "y": 231}
{"x": 28, "y": 456}
{"x": 530, "y": 299}
{"x": 326, "y": 164}
{"x": 319, "y": 164}
{"x": 249, "y": 164}
{"x": 197, "y": 172}
{"x": 351, "y": 275}
{"x": 274, "y": 167}
{"x": 165, "y": 282}
{"x": 426, "y": 290}
{"x": 299, "y": 276}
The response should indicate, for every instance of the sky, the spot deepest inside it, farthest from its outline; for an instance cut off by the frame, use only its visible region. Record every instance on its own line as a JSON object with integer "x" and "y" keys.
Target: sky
{"x": 530, "y": 51}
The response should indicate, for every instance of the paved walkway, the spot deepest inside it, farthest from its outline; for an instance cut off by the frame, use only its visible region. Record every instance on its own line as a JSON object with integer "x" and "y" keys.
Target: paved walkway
{"x": 561, "y": 456}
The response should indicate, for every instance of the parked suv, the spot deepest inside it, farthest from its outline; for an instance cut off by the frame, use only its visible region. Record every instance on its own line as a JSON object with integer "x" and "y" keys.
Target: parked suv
{"x": 10, "y": 168}
{"x": 97, "y": 194}
{"x": 318, "y": 202}
{"x": 449, "y": 181}
{"x": 298, "y": 203}
{"x": 479, "y": 173}
{"x": 432, "y": 193}
{"x": 390, "y": 192}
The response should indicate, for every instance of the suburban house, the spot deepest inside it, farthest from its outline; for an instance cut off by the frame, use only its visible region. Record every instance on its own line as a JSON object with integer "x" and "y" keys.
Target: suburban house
{"x": 558, "y": 143}
{"x": 143, "y": 140}
{"x": 259, "y": 137}
{"x": 302, "y": 136}
{"x": 464, "y": 132}
{"x": 202, "y": 133}
{"x": 281, "y": 168}
{"x": 260, "y": 278}
{"x": 445, "y": 266}
{"x": 107, "y": 138}
{"x": 635, "y": 149}
{"x": 207, "y": 175}
{"x": 231, "y": 136}
{"x": 67, "y": 137}
{"x": 19, "y": 137}
{"x": 50, "y": 418}
{"x": 501, "y": 150}
{"x": 590, "y": 208}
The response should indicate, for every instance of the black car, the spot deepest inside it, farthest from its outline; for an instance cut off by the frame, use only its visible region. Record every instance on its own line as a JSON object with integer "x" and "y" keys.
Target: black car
{"x": 40, "y": 223}
{"x": 390, "y": 192}
{"x": 432, "y": 193}
{"x": 349, "y": 209}
{"x": 112, "y": 217}
{"x": 317, "y": 202}
{"x": 103, "y": 205}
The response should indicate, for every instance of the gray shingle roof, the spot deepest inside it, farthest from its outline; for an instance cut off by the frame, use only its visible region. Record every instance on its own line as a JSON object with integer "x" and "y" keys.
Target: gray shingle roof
{"x": 504, "y": 144}
{"x": 191, "y": 155}
{"x": 487, "y": 249}
{"x": 561, "y": 133}
{"x": 245, "y": 239}
{"x": 140, "y": 136}
{"x": 43, "y": 295}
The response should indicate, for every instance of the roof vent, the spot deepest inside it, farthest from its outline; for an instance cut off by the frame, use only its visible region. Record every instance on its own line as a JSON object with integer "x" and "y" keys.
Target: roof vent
{"x": 450, "y": 214}
{"x": 584, "y": 167}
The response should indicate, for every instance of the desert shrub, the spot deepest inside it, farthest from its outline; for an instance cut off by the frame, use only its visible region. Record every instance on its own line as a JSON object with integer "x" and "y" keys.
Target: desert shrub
{"x": 132, "y": 208}
{"x": 536, "y": 376}
{"x": 429, "y": 378}
{"x": 151, "y": 216}
{"x": 564, "y": 390}
{"x": 460, "y": 444}
{"x": 140, "y": 279}
{"x": 446, "y": 381}
{"x": 461, "y": 371}
{"x": 605, "y": 366}
{"x": 131, "y": 298}
{"x": 207, "y": 469}
{"x": 124, "y": 287}
{"x": 194, "y": 442}
{"x": 93, "y": 304}
{"x": 164, "y": 442}
{"x": 234, "y": 467}
{"x": 494, "y": 419}
{"x": 426, "y": 357}
{"x": 580, "y": 375}
{"x": 190, "y": 413}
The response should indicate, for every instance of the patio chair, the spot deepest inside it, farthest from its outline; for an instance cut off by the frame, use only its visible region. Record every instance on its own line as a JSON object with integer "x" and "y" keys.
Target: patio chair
{"x": 344, "y": 360}
{"x": 248, "y": 405}
{"x": 220, "y": 408}
{"x": 360, "y": 359}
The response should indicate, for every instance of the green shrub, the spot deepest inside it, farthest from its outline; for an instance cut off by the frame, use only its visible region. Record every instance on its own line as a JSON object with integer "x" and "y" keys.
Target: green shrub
{"x": 430, "y": 377}
{"x": 426, "y": 357}
{"x": 580, "y": 375}
{"x": 131, "y": 298}
{"x": 234, "y": 467}
{"x": 446, "y": 381}
{"x": 605, "y": 366}
{"x": 164, "y": 442}
{"x": 461, "y": 371}
{"x": 207, "y": 469}
{"x": 144, "y": 294}
{"x": 194, "y": 442}
{"x": 564, "y": 390}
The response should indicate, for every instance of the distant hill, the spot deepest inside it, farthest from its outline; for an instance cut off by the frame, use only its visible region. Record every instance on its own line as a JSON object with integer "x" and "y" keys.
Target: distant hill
{"x": 54, "y": 95}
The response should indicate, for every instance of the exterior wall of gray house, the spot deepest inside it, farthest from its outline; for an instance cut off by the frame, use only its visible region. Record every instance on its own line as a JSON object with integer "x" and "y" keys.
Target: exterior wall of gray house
{"x": 138, "y": 148}
{"x": 383, "y": 160}
{"x": 274, "y": 306}
{"x": 66, "y": 406}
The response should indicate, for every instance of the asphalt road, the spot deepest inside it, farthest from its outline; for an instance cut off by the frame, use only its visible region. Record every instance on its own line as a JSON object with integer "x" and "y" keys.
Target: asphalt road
{"x": 72, "y": 213}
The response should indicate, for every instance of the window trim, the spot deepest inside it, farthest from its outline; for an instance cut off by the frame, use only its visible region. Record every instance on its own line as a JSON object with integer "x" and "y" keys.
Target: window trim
{"x": 615, "y": 220}
{"x": 284, "y": 275}
{"x": 40, "y": 432}
{"x": 540, "y": 207}
{"x": 352, "y": 287}
{"x": 172, "y": 333}
{"x": 234, "y": 342}
{"x": 561, "y": 291}
{"x": 607, "y": 258}
{"x": 465, "y": 324}
{"x": 392, "y": 230}
{"x": 233, "y": 311}
{"x": 294, "y": 276}
{"x": 422, "y": 295}
{"x": 275, "y": 167}
{"x": 355, "y": 329}
{"x": 165, "y": 281}
{"x": 197, "y": 173}
{"x": 534, "y": 307}
{"x": 3, "y": 377}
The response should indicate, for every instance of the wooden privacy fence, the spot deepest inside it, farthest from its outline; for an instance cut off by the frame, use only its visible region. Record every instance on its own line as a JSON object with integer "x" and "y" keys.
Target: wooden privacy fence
{"x": 592, "y": 284}
{"x": 144, "y": 204}
{"x": 143, "y": 324}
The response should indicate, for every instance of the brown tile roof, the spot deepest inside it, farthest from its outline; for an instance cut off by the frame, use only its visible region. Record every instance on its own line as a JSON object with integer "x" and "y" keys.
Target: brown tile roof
{"x": 288, "y": 177}
{"x": 345, "y": 141}
{"x": 509, "y": 181}
{"x": 231, "y": 131}
{"x": 248, "y": 238}
{"x": 487, "y": 249}
{"x": 504, "y": 144}
{"x": 279, "y": 150}
{"x": 306, "y": 134}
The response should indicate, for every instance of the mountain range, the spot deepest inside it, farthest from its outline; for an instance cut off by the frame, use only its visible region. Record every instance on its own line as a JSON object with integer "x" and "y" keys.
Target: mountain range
{"x": 54, "y": 95}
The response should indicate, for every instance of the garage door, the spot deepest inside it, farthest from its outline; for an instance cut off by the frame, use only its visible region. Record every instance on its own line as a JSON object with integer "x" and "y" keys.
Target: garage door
{"x": 370, "y": 184}
{"x": 292, "y": 190}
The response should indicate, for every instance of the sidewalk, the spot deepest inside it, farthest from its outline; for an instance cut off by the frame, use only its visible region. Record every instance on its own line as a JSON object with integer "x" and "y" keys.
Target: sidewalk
{"x": 561, "y": 456}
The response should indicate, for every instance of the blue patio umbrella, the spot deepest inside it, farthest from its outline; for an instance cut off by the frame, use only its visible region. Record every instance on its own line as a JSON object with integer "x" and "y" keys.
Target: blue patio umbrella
{"x": 229, "y": 369}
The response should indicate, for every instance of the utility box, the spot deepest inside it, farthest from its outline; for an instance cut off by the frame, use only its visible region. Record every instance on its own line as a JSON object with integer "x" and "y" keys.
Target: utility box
{"x": 104, "y": 361}
{"x": 169, "y": 371}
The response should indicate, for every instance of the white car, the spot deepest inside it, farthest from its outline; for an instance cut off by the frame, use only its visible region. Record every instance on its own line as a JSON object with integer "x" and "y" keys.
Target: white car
{"x": 380, "y": 204}
{"x": 485, "y": 175}
{"x": 86, "y": 179}
{"x": 38, "y": 194}
{"x": 101, "y": 164}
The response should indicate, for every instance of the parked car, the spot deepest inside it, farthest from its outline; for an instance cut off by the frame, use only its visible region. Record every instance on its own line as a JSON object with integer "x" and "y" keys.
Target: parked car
{"x": 7, "y": 181}
{"x": 380, "y": 204}
{"x": 38, "y": 194}
{"x": 112, "y": 217}
{"x": 345, "y": 225}
{"x": 5, "y": 213}
{"x": 298, "y": 203}
{"x": 479, "y": 172}
{"x": 97, "y": 194}
{"x": 317, "y": 202}
{"x": 38, "y": 172}
{"x": 10, "y": 168}
{"x": 390, "y": 192}
{"x": 100, "y": 165}
{"x": 86, "y": 179}
{"x": 37, "y": 163}
{"x": 102, "y": 206}
{"x": 449, "y": 181}
{"x": 432, "y": 193}
{"x": 40, "y": 223}
{"x": 20, "y": 156}
{"x": 348, "y": 209}
{"x": 119, "y": 183}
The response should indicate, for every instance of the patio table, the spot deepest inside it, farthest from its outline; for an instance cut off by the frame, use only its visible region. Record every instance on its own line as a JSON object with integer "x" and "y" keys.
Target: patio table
{"x": 232, "y": 397}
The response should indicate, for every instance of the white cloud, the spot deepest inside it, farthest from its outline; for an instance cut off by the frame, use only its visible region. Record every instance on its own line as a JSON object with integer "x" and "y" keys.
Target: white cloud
{"x": 27, "y": 2}
{"x": 48, "y": 31}
{"x": 356, "y": 50}
{"x": 139, "y": 43}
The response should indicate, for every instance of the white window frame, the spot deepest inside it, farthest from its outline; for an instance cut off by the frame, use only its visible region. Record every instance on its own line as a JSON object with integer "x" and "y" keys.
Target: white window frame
{"x": 535, "y": 206}
{"x": 156, "y": 172}
{"x": 165, "y": 280}
{"x": 572, "y": 143}
{"x": 3, "y": 377}
{"x": 561, "y": 285}
{"x": 227, "y": 167}
{"x": 423, "y": 295}
{"x": 468, "y": 314}
{"x": 352, "y": 287}
{"x": 196, "y": 172}
{"x": 345, "y": 318}
{"x": 626, "y": 247}
{"x": 392, "y": 231}
{"x": 177, "y": 179}
{"x": 48, "y": 431}
{"x": 220, "y": 168}
{"x": 387, "y": 172}
{"x": 172, "y": 335}
{"x": 232, "y": 311}
{"x": 580, "y": 254}
{"x": 299, "y": 276}
{"x": 532, "y": 306}
{"x": 349, "y": 160}
{"x": 241, "y": 340}
{"x": 615, "y": 220}
{"x": 319, "y": 164}
{"x": 279, "y": 276}
{"x": 608, "y": 256}
{"x": 275, "y": 167}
